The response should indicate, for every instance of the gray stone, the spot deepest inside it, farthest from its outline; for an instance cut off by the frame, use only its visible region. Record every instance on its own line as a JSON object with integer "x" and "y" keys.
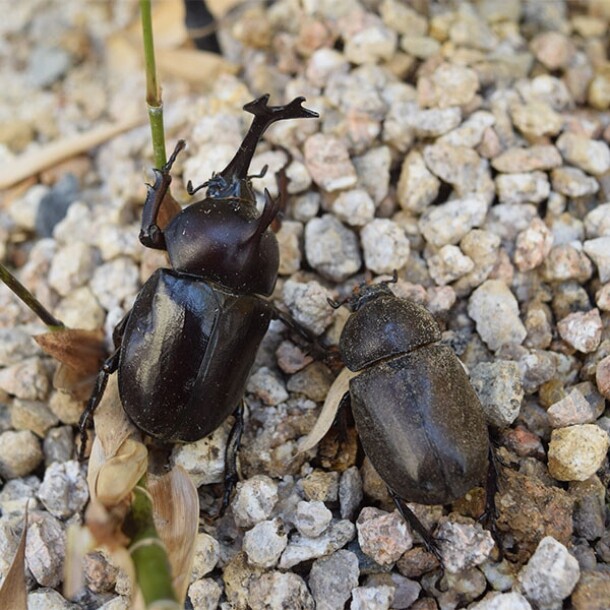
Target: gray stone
{"x": 64, "y": 490}
{"x": 332, "y": 579}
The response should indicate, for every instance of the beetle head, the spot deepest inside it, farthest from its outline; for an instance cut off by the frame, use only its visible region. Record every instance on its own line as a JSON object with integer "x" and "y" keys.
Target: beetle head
{"x": 228, "y": 242}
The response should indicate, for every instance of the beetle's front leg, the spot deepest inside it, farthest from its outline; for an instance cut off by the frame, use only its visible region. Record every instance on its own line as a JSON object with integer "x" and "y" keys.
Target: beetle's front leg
{"x": 110, "y": 365}
{"x": 151, "y": 234}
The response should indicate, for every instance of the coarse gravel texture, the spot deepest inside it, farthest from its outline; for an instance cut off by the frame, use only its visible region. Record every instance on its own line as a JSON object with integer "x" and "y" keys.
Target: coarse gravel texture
{"x": 464, "y": 145}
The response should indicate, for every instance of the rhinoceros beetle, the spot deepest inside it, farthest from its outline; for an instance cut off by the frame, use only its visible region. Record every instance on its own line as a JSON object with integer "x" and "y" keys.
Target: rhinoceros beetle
{"x": 184, "y": 351}
{"x": 418, "y": 417}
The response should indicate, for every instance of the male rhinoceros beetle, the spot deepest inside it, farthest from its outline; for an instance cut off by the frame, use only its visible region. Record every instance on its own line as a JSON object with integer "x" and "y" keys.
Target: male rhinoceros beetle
{"x": 184, "y": 351}
{"x": 419, "y": 420}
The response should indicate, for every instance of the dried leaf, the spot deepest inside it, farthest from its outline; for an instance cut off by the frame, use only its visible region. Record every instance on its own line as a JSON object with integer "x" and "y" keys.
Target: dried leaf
{"x": 118, "y": 457}
{"x": 197, "y": 67}
{"x": 30, "y": 163}
{"x": 329, "y": 411}
{"x": 13, "y": 592}
{"x": 176, "y": 510}
{"x": 81, "y": 350}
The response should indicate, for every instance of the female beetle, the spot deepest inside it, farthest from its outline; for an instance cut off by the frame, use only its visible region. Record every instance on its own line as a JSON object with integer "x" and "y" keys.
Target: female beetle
{"x": 419, "y": 420}
{"x": 184, "y": 351}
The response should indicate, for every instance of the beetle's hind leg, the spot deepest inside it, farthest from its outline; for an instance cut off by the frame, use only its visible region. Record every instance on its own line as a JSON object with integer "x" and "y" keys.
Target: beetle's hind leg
{"x": 110, "y": 365}
{"x": 411, "y": 518}
{"x": 489, "y": 516}
{"x": 231, "y": 475}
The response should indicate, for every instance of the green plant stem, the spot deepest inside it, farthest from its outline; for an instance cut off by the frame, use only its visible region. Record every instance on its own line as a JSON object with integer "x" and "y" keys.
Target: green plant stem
{"x": 153, "y": 93}
{"x": 29, "y": 299}
{"x": 153, "y": 571}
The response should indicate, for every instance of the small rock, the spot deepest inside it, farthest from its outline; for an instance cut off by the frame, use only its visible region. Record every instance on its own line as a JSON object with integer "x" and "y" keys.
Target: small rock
{"x": 321, "y": 486}
{"x": 533, "y": 245}
{"x": 16, "y": 345}
{"x": 536, "y": 119}
{"x": 565, "y": 262}
{"x": 308, "y": 305}
{"x": 207, "y": 554}
{"x": 204, "y": 460}
{"x": 498, "y": 385}
{"x": 573, "y": 409}
{"x": 470, "y": 132}
{"x": 289, "y": 237}
{"x": 115, "y": 282}
{"x": 589, "y": 155}
{"x": 599, "y": 90}
{"x": 28, "y": 379}
{"x": 599, "y": 251}
{"x": 597, "y": 221}
{"x": 332, "y": 579}
{"x": 449, "y": 85}
{"x": 100, "y": 574}
{"x": 205, "y": 594}
{"x": 373, "y": 169}
{"x": 449, "y": 222}
{"x": 421, "y": 47}
{"x": 20, "y": 454}
{"x": 550, "y": 575}
{"x": 553, "y": 49}
{"x": 331, "y": 248}
{"x": 539, "y": 157}
{"x": 49, "y": 599}
{"x": 301, "y": 548}
{"x": 72, "y": 266}
{"x": 313, "y": 381}
{"x": 386, "y": 247}
{"x": 416, "y": 562}
{"x": 45, "y": 548}
{"x": 47, "y": 64}
{"x": 582, "y": 330}
{"x": 328, "y": 162}
{"x": 425, "y": 123}
{"x": 532, "y": 187}
{"x": 278, "y": 590}
{"x": 573, "y": 182}
{"x": 448, "y": 264}
{"x": 383, "y": 536}
{"x": 460, "y": 166}
{"x": 503, "y": 601}
{"x": 354, "y": 207}
{"x": 268, "y": 386}
{"x": 16, "y": 493}
{"x": 496, "y": 312}
{"x": 463, "y": 546}
{"x": 312, "y": 518}
{"x": 589, "y": 507}
{"x": 291, "y": 358}
{"x": 265, "y": 542}
{"x": 254, "y": 500}
{"x": 32, "y": 415}
{"x": 64, "y": 490}
{"x": 602, "y": 377}
{"x": 372, "y": 598}
{"x": 417, "y": 186}
{"x": 350, "y": 492}
{"x": 375, "y": 42}
{"x": 592, "y": 591}
{"x": 66, "y": 408}
{"x": 80, "y": 309}
{"x": 577, "y": 452}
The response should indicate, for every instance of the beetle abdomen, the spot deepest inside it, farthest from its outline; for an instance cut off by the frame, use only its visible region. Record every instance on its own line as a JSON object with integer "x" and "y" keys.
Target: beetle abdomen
{"x": 186, "y": 353}
{"x": 421, "y": 425}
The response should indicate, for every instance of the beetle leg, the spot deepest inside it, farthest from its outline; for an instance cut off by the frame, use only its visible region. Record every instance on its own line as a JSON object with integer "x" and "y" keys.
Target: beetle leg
{"x": 489, "y": 516}
{"x": 316, "y": 349}
{"x": 110, "y": 365}
{"x": 411, "y": 518}
{"x": 151, "y": 234}
{"x": 231, "y": 476}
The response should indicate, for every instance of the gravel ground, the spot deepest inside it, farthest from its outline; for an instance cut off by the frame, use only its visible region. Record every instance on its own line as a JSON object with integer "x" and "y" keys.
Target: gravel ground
{"x": 464, "y": 145}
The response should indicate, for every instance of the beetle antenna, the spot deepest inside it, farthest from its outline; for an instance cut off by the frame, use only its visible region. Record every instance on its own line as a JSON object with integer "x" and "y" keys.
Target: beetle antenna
{"x": 261, "y": 174}
{"x": 191, "y": 191}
